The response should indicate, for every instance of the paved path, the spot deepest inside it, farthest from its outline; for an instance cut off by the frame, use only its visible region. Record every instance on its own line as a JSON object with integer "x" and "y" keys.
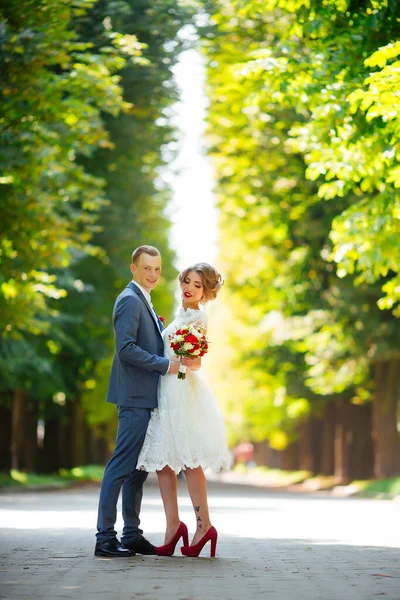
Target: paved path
{"x": 273, "y": 546}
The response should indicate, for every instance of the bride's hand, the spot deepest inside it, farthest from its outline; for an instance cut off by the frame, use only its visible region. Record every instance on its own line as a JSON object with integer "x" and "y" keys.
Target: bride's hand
{"x": 191, "y": 363}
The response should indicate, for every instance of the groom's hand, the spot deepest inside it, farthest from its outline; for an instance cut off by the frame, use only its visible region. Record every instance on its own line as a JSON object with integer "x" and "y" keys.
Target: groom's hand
{"x": 173, "y": 365}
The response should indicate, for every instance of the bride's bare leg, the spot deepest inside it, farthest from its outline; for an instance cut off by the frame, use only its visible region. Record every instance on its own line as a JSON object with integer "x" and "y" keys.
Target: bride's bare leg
{"x": 197, "y": 487}
{"x": 168, "y": 485}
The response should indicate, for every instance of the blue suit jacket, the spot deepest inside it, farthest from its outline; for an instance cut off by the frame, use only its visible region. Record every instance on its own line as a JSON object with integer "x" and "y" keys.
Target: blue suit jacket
{"x": 139, "y": 352}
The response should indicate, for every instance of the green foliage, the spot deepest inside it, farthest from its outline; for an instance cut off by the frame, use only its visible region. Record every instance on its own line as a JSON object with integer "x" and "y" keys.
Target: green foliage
{"x": 49, "y": 120}
{"x": 306, "y": 162}
{"x": 131, "y": 169}
{"x": 86, "y": 87}
{"x": 321, "y": 65}
{"x": 366, "y": 236}
{"x": 62, "y": 479}
{"x": 383, "y": 488}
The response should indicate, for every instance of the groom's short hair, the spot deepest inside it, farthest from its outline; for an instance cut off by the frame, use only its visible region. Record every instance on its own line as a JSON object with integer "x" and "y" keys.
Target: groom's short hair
{"x": 151, "y": 250}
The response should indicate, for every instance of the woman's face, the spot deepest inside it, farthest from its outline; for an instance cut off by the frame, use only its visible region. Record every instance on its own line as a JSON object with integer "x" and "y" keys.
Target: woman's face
{"x": 192, "y": 289}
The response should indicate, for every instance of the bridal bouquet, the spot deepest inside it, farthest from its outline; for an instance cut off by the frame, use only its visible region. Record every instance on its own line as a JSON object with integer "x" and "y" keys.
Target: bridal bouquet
{"x": 188, "y": 341}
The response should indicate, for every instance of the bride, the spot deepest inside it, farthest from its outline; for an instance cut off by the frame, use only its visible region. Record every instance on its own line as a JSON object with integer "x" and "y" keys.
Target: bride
{"x": 187, "y": 431}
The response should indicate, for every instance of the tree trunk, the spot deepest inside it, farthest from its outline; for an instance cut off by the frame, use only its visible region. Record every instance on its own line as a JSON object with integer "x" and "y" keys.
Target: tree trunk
{"x": 49, "y": 454}
{"x": 362, "y": 450}
{"x": 385, "y": 434}
{"x": 5, "y": 438}
{"x": 18, "y": 427}
{"x": 89, "y": 446}
{"x": 30, "y": 447}
{"x": 353, "y": 441}
{"x": 316, "y": 431}
{"x": 102, "y": 451}
{"x": 55, "y": 452}
{"x": 265, "y": 455}
{"x": 306, "y": 459}
{"x": 343, "y": 441}
{"x": 290, "y": 457}
{"x": 310, "y": 440}
{"x": 77, "y": 427}
{"x": 328, "y": 440}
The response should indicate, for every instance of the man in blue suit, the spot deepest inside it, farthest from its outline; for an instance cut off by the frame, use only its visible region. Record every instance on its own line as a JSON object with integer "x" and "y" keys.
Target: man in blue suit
{"x": 137, "y": 366}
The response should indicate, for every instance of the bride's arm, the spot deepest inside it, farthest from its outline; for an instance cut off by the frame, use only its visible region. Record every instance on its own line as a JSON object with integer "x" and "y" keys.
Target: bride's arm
{"x": 195, "y": 363}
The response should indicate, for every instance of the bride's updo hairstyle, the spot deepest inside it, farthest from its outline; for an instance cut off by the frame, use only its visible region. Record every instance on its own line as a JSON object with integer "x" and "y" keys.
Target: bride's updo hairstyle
{"x": 210, "y": 278}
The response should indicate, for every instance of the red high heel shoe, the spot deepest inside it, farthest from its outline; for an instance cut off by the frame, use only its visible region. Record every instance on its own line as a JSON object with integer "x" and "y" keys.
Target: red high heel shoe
{"x": 211, "y": 535}
{"x": 169, "y": 549}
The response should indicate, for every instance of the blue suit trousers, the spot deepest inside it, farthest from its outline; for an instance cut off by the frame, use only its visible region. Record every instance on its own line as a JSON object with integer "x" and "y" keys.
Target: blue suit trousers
{"x": 121, "y": 472}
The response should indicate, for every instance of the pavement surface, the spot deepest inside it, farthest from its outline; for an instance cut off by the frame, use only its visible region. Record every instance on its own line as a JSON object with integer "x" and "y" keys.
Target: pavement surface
{"x": 277, "y": 546}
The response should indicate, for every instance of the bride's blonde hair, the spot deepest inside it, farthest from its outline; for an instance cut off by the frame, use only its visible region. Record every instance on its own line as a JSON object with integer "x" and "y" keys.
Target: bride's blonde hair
{"x": 210, "y": 278}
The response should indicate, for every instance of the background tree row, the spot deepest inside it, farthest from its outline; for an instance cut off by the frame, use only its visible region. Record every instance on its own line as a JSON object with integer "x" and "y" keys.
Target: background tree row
{"x": 307, "y": 162}
{"x": 85, "y": 88}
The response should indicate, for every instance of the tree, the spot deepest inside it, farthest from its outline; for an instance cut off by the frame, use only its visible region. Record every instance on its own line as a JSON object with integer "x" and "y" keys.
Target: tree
{"x": 49, "y": 202}
{"x": 92, "y": 148}
{"x": 287, "y": 71}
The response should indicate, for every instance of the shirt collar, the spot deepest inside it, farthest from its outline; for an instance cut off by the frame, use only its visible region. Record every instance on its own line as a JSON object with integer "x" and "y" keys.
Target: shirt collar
{"x": 144, "y": 292}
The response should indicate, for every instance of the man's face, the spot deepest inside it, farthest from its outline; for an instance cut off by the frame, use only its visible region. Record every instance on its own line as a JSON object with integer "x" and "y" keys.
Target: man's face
{"x": 147, "y": 271}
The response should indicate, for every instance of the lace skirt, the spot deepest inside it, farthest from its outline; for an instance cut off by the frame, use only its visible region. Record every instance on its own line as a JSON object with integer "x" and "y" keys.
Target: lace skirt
{"x": 187, "y": 429}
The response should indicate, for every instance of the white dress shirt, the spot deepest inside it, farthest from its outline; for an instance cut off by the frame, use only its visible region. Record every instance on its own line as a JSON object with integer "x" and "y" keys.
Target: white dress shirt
{"x": 148, "y": 300}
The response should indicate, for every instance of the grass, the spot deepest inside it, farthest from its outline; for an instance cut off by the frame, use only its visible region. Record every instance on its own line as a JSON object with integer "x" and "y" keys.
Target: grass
{"x": 321, "y": 482}
{"x": 381, "y": 489}
{"x": 62, "y": 479}
{"x": 277, "y": 477}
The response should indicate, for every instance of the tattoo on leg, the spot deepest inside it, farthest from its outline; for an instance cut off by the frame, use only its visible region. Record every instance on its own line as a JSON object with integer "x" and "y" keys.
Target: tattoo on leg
{"x": 198, "y": 518}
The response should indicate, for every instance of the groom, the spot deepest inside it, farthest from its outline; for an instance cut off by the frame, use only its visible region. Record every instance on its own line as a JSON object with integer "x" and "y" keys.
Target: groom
{"x": 138, "y": 363}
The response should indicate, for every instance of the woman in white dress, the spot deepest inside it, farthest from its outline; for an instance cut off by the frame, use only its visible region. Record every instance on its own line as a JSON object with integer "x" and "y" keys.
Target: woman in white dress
{"x": 187, "y": 431}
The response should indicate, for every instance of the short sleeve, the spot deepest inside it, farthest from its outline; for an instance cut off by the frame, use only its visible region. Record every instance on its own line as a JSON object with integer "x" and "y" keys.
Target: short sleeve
{"x": 202, "y": 320}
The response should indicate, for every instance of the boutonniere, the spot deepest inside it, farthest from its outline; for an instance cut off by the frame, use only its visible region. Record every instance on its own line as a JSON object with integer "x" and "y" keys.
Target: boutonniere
{"x": 162, "y": 319}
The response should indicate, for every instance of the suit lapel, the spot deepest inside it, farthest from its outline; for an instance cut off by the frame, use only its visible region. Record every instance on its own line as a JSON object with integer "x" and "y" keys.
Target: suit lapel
{"x": 141, "y": 296}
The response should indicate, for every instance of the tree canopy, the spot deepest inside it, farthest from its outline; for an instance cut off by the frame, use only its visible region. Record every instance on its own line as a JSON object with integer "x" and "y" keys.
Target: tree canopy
{"x": 86, "y": 87}
{"x": 307, "y": 162}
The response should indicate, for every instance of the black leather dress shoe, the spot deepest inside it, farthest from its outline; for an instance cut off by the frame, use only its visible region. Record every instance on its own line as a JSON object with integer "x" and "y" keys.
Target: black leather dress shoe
{"x": 112, "y": 549}
{"x": 141, "y": 546}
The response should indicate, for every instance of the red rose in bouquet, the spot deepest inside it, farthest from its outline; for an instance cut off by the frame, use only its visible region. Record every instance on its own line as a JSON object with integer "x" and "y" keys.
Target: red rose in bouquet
{"x": 189, "y": 341}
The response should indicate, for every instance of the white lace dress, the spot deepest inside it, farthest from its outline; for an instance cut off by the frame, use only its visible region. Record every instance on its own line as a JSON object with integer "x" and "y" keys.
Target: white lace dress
{"x": 187, "y": 429}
